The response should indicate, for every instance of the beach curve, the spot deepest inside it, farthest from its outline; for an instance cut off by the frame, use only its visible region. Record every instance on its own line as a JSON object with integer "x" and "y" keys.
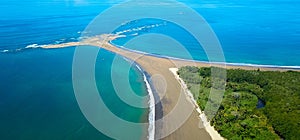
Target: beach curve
{"x": 161, "y": 65}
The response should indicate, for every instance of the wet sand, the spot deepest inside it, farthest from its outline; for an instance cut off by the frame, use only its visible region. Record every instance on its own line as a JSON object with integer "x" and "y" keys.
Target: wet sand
{"x": 176, "y": 106}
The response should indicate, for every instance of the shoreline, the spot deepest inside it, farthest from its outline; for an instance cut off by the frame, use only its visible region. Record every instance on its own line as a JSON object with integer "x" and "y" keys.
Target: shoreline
{"x": 110, "y": 37}
{"x": 155, "y": 110}
{"x": 152, "y": 108}
{"x": 210, "y": 129}
{"x": 151, "y": 102}
{"x": 171, "y": 100}
{"x": 157, "y": 107}
{"x": 230, "y": 64}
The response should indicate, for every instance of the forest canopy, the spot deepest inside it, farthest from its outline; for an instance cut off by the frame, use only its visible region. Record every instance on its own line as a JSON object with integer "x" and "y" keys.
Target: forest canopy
{"x": 241, "y": 114}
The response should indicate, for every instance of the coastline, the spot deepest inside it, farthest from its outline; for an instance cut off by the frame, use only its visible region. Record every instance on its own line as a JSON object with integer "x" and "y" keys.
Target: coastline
{"x": 210, "y": 129}
{"x": 158, "y": 65}
{"x": 233, "y": 65}
{"x": 106, "y": 39}
{"x": 152, "y": 108}
{"x": 155, "y": 110}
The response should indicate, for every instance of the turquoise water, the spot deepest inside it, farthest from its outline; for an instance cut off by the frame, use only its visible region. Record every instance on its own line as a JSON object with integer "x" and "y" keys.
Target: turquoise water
{"x": 36, "y": 93}
{"x": 37, "y": 99}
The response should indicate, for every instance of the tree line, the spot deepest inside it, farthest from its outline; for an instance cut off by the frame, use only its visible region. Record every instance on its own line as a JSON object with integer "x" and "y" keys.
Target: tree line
{"x": 238, "y": 116}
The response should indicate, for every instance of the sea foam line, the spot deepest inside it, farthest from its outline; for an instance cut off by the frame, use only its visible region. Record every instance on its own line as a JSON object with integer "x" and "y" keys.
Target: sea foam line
{"x": 151, "y": 102}
{"x": 4, "y": 51}
{"x": 139, "y": 28}
{"x": 33, "y": 46}
{"x": 151, "y": 128}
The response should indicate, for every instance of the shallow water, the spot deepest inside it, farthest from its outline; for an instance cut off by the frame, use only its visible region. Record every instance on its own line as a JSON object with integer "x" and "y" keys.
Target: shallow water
{"x": 37, "y": 99}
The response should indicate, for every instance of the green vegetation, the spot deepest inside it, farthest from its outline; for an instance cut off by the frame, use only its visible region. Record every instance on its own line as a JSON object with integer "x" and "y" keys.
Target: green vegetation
{"x": 238, "y": 116}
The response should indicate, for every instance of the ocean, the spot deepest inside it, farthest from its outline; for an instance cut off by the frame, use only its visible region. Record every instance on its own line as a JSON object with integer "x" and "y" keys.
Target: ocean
{"x": 37, "y": 98}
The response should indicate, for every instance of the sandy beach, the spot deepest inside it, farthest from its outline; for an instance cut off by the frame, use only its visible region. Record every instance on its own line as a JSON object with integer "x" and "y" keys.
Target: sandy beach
{"x": 181, "y": 115}
{"x": 210, "y": 129}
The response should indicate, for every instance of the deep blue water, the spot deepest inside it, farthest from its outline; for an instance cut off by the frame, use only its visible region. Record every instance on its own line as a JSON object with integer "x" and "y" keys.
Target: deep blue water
{"x": 256, "y": 32}
{"x": 252, "y": 32}
{"x": 36, "y": 94}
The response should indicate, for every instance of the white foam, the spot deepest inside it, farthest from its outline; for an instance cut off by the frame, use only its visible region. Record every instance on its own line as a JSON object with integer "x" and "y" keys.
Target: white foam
{"x": 151, "y": 128}
{"x": 139, "y": 68}
{"x": 33, "y": 46}
{"x": 151, "y": 102}
{"x": 140, "y": 28}
{"x": 4, "y": 51}
{"x": 135, "y": 34}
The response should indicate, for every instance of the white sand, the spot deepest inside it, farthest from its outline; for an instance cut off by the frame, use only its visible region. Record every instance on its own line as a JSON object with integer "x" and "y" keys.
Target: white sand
{"x": 210, "y": 129}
